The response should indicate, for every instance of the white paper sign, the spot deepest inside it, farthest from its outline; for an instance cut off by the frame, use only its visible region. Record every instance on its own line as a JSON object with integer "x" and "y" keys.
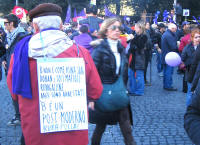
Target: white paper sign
{"x": 62, "y": 94}
{"x": 93, "y": 2}
{"x": 186, "y": 12}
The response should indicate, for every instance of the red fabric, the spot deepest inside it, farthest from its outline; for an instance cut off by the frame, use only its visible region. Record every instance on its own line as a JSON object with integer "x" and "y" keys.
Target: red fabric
{"x": 130, "y": 59}
{"x": 77, "y": 19}
{"x": 133, "y": 28}
{"x": 184, "y": 41}
{"x": 123, "y": 41}
{"x": 29, "y": 108}
{"x": 19, "y": 11}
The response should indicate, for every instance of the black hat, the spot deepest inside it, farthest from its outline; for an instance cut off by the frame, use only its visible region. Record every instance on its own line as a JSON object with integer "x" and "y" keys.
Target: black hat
{"x": 161, "y": 25}
{"x": 45, "y": 9}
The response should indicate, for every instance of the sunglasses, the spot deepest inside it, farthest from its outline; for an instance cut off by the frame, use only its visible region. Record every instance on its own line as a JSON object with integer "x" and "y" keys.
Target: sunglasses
{"x": 114, "y": 27}
{"x": 5, "y": 23}
{"x": 197, "y": 37}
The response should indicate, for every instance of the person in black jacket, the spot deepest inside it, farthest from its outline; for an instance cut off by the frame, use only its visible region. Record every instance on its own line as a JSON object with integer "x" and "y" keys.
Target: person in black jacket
{"x": 14, "y": 34}
{"x": 193, "y": 67}
{"x": 2, "y": 42}
{"x": 196, "y": 76}
{"x": 187, "y": 56}
{"x": 157, "y": 45}
{"x": 192, "y": 117}
{"x": 136, "y": 55}
{"x": 2, "y": 48}
{"x": 108, "y": 57}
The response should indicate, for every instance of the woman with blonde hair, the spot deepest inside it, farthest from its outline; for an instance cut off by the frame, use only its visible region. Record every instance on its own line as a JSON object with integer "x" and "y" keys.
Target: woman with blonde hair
{"x": 108, "y": 57}
{"x": 137, "y": 60}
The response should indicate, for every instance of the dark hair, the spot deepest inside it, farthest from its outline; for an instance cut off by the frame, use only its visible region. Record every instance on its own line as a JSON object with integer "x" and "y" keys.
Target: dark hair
{"x": 12, "y": 18}
{"x": 67, "y": 31}
{"x": 74, "y": 24}
{"x": 91, "y": 9}
{"x": 84, "y": 29}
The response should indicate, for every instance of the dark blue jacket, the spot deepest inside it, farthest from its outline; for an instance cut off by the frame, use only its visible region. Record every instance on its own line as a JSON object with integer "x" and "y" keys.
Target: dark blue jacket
{"x": 92, "y": 21}
{"x": 168, "y": 44}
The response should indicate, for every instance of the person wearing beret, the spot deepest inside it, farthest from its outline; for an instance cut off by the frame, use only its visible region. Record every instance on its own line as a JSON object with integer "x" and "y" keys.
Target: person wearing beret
{"x": 23, "y": 81}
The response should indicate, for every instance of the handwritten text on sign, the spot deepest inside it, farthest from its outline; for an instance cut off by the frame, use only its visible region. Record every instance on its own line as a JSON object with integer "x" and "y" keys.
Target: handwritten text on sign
{"x": 62, "y": 94}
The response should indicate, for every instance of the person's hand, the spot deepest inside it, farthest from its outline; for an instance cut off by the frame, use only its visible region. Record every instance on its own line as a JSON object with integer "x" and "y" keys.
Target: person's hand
{"x": 91, "y": 105}
{"x": 4, "y": 64}
{"x": 178, "y": 43}
{"x": 159, "y": 50}
{"x": 130, "y": 37}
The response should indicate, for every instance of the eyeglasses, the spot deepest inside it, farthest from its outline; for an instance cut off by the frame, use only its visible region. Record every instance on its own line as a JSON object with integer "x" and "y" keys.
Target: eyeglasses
{"x": 197, "y": 37}
{"x": 5, "y": 23}
{"x": 114, "y": 27}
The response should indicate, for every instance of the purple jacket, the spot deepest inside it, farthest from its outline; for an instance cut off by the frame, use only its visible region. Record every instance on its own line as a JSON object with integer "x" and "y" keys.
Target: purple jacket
{"x": 84, "y": 40}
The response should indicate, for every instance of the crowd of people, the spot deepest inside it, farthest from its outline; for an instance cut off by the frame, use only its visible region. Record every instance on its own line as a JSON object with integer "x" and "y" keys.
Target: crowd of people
{"x": 112, "y": 49}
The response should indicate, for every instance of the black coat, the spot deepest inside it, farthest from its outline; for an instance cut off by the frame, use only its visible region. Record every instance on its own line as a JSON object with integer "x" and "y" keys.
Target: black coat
{"x": 193, "y": 67}
{"x": 192, "y": 117}
{"x": 2, "y": 47}
{"x": 149, "y": 45}
{"x": 158, "y": 38}
{"x": 187, "y": 56}
{"x": 196, "y": 78}
{"x": 137, "y": 49}
{"x": 2, "y": 42}
{"x": 11, "y": 49}
{"x": 105, "y": 62}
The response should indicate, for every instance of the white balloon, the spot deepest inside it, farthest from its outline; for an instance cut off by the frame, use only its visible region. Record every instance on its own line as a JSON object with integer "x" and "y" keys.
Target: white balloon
{"x": 173, "y": 59}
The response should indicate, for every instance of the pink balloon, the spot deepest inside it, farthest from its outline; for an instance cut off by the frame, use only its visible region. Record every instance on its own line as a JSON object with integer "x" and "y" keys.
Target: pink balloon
{"x": 173, "y": 59}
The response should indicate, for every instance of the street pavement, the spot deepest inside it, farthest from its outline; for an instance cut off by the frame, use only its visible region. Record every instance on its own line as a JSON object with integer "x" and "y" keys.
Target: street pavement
{"x": 157, "y": 116}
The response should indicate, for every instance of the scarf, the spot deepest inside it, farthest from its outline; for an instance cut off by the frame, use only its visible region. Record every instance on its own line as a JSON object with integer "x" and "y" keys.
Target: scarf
{"x": 21, "y": 84}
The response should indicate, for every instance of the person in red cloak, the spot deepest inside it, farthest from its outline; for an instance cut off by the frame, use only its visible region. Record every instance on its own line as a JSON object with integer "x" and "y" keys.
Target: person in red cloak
{"x": 22, "y": 76}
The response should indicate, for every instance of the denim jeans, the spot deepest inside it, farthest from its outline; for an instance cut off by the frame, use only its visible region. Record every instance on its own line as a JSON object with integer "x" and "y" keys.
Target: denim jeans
{"x": 159, "y": 64}
{"x": 189, "y": 94}
{"x": 167, "y": 79}
{"x": 136, "y": 82}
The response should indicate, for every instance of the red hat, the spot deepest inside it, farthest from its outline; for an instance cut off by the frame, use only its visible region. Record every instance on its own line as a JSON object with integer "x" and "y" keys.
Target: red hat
{"x": 45, "y": 9}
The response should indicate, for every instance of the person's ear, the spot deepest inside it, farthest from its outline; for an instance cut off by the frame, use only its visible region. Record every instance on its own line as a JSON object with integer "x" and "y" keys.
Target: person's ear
{"x": 36, "y": 28}
{"x": 61, "y": 26}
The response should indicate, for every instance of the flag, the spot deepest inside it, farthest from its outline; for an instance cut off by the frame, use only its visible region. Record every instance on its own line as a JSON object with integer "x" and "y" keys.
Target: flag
{"x": 75, "y": 13}
{"x": 68, "y": 14}
{"x": 196, "y": 20}
{"x": 19, "y": 11}
{"x": 165, "y": 15}
{"x": 108, "y": 13}
{"x": 82, "y": 13}
{"x": 156, "y": 17}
